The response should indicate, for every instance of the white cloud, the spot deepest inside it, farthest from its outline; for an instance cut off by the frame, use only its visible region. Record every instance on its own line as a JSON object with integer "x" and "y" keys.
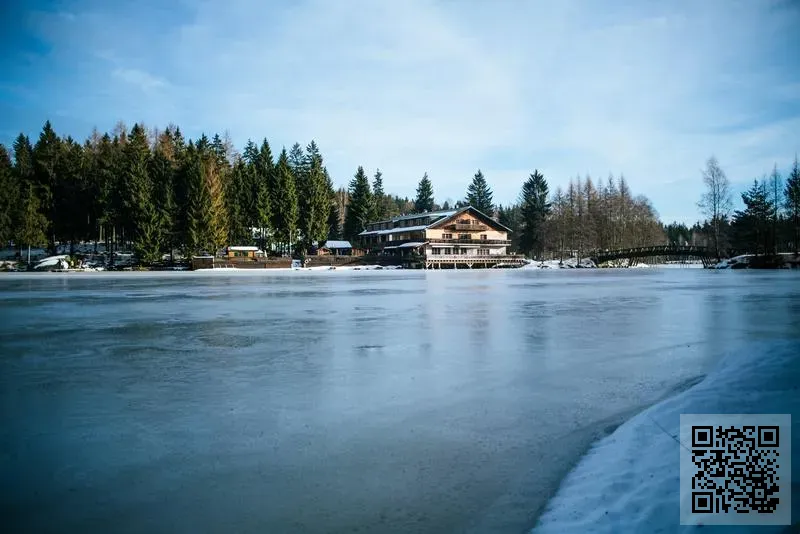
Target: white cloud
{"x": 141, "y": 79}
{"x": 569, "y": 87}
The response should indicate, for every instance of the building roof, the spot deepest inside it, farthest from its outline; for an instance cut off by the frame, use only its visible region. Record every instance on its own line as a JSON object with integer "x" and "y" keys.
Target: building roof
{"x": 397, "y": 230}
{"x": 244, "y": 249}
{"x": 413, "y": 244}
{"x": 440, "y": 217}
{"x": 337, "y": 244}
{"x": 440, "y": 213}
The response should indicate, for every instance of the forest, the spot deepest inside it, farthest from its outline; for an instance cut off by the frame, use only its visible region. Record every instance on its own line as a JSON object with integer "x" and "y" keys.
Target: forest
{"x": 159, "y": 195}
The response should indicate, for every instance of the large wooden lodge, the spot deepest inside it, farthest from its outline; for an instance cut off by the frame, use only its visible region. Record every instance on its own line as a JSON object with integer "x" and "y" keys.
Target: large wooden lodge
{"x": 464, "y": 238}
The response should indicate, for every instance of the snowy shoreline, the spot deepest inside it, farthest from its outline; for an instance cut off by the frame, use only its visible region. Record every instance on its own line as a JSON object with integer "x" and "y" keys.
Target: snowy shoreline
{"x": 629, "y": 480}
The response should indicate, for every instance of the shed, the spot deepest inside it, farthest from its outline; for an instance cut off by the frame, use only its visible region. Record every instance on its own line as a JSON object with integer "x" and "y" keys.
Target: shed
{"x": 243, "y": 252}
{"x": 336, "y": 248}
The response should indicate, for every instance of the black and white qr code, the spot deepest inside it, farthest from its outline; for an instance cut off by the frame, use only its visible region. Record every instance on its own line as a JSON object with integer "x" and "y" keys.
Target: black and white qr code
{"x": 737, "y": 469}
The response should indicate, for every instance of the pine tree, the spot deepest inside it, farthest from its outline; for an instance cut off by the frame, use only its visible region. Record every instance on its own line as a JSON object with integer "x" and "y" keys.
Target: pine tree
{"x": 284, "y": 208}
{"x": 32, "y": 225}
{"x": 9, "y": 198}
{"x": 479, "y": 195}
{"x": 360, "y": 206}
{"x": 382, "y": 201}
{"x": 314, "y": 199}
{"x": 334, "y": 215}
{"x": 262, "y": 176}
{"x": 510, "y": 217}
{"x": 752, "y": 225}
{"x": 198, "y": 202}
{"x": 70, "y": 205}
{"x": 424, "y": 200}
{"x": 145, "y": 225}
{"x": 792, "y": 203}
{"x": 216, "y": 218}
{"x": 535, "y": 209}
{"x": 237, "y": 194}
{"x": 162, "y": 171}
{"x": 45, "y": 161}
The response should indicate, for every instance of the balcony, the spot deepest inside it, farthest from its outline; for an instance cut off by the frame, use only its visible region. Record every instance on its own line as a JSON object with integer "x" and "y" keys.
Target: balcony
{"x": 471, "y": 241}
{"x": 464, "y": 227}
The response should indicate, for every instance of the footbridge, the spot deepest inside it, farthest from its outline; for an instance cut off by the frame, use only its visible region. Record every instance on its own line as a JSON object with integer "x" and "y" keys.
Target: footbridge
{"x": 637, "y": 254}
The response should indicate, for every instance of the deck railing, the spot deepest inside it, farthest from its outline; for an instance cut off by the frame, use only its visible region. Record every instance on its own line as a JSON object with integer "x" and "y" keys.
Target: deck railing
{"x": 472, "y": 241}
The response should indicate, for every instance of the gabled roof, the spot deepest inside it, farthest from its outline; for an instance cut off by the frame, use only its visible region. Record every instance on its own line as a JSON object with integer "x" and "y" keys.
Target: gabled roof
{"x": 395, "y": 230}
{"x": 443, "y": 217}
{"x": 485, "y": 218}
{"x": 440, "y": 213}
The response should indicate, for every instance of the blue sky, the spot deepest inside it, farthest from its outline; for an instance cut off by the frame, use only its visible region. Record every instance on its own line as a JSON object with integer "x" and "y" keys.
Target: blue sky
{"x": 649, "y": 89}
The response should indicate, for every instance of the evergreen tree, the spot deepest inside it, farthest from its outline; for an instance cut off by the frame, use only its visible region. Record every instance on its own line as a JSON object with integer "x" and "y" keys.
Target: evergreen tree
{"x": 792, "y": 203}
{"x": 424, "y": 200}
{"x": 510, "y": 217}
{"x": 752, "y": 226}
{"x": 334, "y": 215}
{"x": 262, "y": 176}
{"x": 314, "y": 199}
{"x": 198, "y": 203}
{"x": 163, "y": 172}
{"x": 70, "y": 205}
{"x": 479, "y": 195}
{"x": 284, "y": 208}
{"x": 535, "y": 209}
{"x": 297, "y": 160}
{"x": 216, "y": 218}
{"x": 9, "y": 198}
{"x": 32, "y": 224}
{"x": 45, "y": 162}
{"x": 383, "y": 203}
{"x": 360, "y": 207}
{"x": 145, "y": 224}
{"x": 237, "y": 194}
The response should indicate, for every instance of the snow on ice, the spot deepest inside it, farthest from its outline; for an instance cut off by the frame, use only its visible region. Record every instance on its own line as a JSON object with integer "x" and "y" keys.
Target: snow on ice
{"x": 629, "y": 481}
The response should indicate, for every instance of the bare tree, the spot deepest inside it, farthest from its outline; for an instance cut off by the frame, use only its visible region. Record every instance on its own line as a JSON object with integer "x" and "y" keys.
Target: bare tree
{"x": 776, "y": 190}
{"x": 716, "y": 203}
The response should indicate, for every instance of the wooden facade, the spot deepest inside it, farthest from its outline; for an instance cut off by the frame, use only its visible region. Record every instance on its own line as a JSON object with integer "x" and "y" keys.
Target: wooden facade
{"x": 463, "y": 238}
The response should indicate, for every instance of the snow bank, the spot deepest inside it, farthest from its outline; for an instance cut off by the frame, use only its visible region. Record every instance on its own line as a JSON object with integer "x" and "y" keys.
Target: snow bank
{"x": 744, "y": 259}
{"x": 570, "y": 263}
{"x": 53, "y": 262}
{"x": 629, "y": 481}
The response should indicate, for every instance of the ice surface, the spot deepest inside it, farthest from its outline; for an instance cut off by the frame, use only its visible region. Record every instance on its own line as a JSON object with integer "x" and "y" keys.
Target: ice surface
{"x": 629, "y": 481}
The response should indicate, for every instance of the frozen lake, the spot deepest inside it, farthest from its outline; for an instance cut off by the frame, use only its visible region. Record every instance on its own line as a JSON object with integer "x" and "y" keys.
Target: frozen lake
{"x": 369, "y": 401}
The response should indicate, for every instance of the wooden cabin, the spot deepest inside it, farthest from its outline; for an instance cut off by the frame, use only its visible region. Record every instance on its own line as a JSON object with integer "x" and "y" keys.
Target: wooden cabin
{"x": 243, "y": 252}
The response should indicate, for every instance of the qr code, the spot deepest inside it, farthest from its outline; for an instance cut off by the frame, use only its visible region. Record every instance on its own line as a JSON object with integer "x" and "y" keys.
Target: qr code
{"x": 735, "y": 469}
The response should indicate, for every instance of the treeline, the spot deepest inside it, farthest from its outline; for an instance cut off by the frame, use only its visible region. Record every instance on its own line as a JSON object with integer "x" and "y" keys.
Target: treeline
{"x": 768, "y": 224}
{"x": 580, "y": 218}
{"x": 154, "y": 193}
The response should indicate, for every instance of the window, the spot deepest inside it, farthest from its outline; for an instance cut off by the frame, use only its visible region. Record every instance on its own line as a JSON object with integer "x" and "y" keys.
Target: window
{"x": 447, "y": 236}
{"x": 483, "y": 251}
{"x": 463, "y": 236}
{"x": 484, "y": 237}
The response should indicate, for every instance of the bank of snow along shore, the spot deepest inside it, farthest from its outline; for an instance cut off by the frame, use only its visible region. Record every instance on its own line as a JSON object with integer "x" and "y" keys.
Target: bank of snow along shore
{"x": 629, "y": 480}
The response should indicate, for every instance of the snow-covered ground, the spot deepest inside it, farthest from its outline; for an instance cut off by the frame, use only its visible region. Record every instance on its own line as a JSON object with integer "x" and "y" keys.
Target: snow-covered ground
{"x": 629, "y": 481}
{"x": 730, "y": 262}
{"x": 569, "y": 263}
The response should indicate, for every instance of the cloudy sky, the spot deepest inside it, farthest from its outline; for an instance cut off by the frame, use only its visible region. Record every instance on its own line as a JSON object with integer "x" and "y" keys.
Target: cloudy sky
{"x": 646, "y": 88}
